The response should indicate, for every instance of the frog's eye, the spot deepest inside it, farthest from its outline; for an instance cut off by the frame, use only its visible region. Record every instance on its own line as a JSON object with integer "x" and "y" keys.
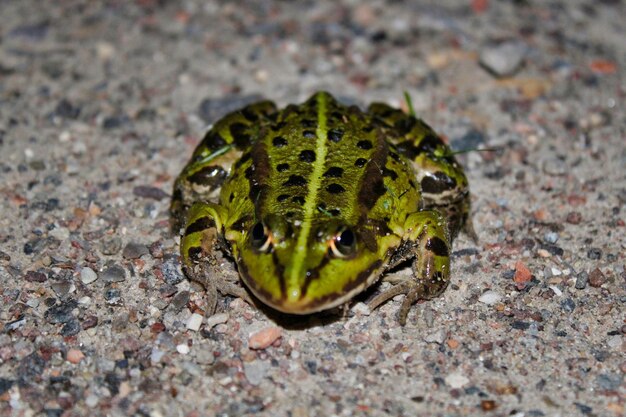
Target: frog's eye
{"x": 260, "y": 237}
{"x": 343, "y": 244}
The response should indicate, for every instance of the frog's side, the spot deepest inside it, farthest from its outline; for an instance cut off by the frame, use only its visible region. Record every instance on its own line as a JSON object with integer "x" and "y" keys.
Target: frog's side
{"x": 315, "y": 201}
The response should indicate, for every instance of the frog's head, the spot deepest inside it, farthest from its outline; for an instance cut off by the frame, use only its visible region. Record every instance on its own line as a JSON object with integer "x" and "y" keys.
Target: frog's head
{"x": 302, "y": 267}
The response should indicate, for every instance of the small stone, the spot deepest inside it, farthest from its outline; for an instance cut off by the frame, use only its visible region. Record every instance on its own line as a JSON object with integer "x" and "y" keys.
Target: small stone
{"x": 114, "y": 273}
{"x": 180, "y": 300}
{"x": 35, "y": 276}
{"x": 71, "y": 328}
{"x": 361, "y": 309}
{"x": 551, "y": 237}
{"x": 66, "y": 110}
{"x": 264, "y": 338}
{"x": 183, "y": 349}
{"x": 568, "y": 305}
{"x": 216, "y": 319}
{"x": 594, "y": 254}
{"x": 113, "y": 296}
{"x": 88, "y": 275}
{"x": 74, "y": 356}
{"x": 456, "y": 380}
{"x": 194, "y": 322}
{"x": 156, "y": 355}
{"x": 147, "y": 191}
{"x": 61, "y": 233}
{"x": 574, "y": 217}
{"x": 504, "y": 59}
{"x": 255, "y": 371}
{"x": 522, "y": 275}
{"x": 61, "y": 288}
{"x": 556, "y": 290}
{"x": 437, "y": 336}
{"x": 172, "y": 272}
{"x": 89, "y": 322}
{"x": 490, "y": 297}
{"x": 581, "y": 280}
{"x": 596, "y": 278}
{"x": 135, "y": 251}
{"x": 111, "y": 246}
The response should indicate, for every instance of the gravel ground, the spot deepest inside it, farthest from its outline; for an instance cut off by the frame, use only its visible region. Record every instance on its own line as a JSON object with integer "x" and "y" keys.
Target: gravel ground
{"x": 102, "y": 103}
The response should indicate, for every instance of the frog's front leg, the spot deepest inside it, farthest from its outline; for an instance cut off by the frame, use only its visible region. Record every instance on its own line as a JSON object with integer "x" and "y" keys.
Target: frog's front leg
{"x": 427, "y": 241}
{"x": 203, "y": 248}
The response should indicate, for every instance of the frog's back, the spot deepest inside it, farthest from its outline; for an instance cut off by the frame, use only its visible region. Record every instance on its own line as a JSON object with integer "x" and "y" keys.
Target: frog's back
{"x": 322, "y": 160}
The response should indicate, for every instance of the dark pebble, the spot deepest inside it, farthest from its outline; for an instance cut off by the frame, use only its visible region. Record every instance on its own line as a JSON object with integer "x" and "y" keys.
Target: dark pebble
{"x": 212, "y": 109}
{"x": 36, "y": 31}
{"x": 312, "y": 367}
{"x": 34, "y": 276}
{"x": 156, "y": 250}
{"x": 30, "y": 368}
{"x": 70, "y": 328}
{"x": 180, "y": 300}
{"x": 594, "y": 254}
{"x": 553, "y": 249}
{"x": 5, "y": 385}
{"x": 600, "y": 355}
{"x": 568, "y": 305}
{"x": 66, "y": 110}
{"x": 113, "y": 122}
{"x": 89, "y": 322}
{"x": 596, "y": 278}
{"x": 147, "y": 191}
{"x": 111, "y": 246}
{"x": 581, "y": 280}
{"x": 53, "y": 412}
{"x": 520, "y": 325}
{"x": 167, "y": 290}
{"x": 465, "y": 252}
{"x": 585, "y": 409}
{"x": 172, "y": 272}
{"x": 609, "y": 382}
{"x": 134, "y": 251}
{"x": 61, "y": 313}
{"x": 574, "y": 217}
{"x": 113, "y": 296}
{"x": 5, "y": 256}
{"x": 114, "y": 273}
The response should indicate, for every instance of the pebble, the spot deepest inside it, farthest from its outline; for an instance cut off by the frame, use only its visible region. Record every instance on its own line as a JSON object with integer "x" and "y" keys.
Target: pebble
{"x": 264, "y": 338}
{"x": 111, "y": 246}
{"x": 522, "y": 275}
{"x": 581, "y": 280}
{"x": 456, "y": 380}
{"x": 180, "y": 300}
{"x": 183, "y": 348}
{"x": 438, "y": 337}
{"x": 35, "y": 276}
{"x": 75, "y": 356}
{"x": 88, "y": 275}
{"x": 594, "y": 254}
{"x": 61, "y": 233}
{"x": 362, "y": 309}
{"x": 490, "y": 297}
{"x": 114, "y": 273}
{"x": 156, "y": 355}
{"x": 596, "y": 278}
{"x": 194, "y": 322}
{"x": 216, "y": 319}
{"x": 255, "y": 371}
{"x": 172, "y": 272}
{"x": 147, "y": 191}
{"x": 134, "y": 251}
{"x": 568, "y": 305}
{"x": 556, "y": 290}
{"x": 504, "y": 59}
{"x": 574, "y": 217}
{"x": 62, "y": 288}
{"x": 551, "y": 237}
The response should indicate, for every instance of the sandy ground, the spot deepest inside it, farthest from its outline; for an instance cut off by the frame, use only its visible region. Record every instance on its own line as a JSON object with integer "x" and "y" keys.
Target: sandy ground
{"x": 101, "y": 105}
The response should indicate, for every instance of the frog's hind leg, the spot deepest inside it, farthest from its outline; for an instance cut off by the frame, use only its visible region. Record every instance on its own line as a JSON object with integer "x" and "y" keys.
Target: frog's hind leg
{"x": 443, "y": 183}
{"x": 221, "y": 146}
{"x": 427, "y": 241}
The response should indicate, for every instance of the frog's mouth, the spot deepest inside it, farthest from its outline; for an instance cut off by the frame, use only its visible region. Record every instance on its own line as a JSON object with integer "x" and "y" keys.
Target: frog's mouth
{"x": 300, "y": 301}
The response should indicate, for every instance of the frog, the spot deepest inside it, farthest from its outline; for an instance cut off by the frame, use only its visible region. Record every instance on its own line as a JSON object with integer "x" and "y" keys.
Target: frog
{"x": 314, "y": 202}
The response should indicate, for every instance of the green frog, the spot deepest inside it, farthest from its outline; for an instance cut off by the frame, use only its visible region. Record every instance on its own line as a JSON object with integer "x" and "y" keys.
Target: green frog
{"x": 315, "y": 201}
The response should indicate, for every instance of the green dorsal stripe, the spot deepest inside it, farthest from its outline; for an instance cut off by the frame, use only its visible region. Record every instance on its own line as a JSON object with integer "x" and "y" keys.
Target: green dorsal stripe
{"x": 297, "y": 275}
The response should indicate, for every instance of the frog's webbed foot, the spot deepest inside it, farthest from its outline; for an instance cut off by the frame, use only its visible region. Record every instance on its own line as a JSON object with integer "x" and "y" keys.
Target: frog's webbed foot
{"x": 428, "y": 233}
{"x": 203, "y": 249}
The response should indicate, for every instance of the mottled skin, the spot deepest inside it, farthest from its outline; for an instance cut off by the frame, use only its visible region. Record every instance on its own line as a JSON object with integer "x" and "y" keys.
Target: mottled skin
{"x": 315, "y": 201}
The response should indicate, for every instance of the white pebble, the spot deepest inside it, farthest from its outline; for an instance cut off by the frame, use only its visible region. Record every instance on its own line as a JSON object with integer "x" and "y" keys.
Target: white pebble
{"x": 88, "y": 275}
{"x": 194, "y": 322}
{"x": 490, "y": 297}
{"x": 456, "y": 380}
{"x": 60, "y": 233}
{"x": 555, "y": 272}
{"x": 556, "y": 290}
{"x": 361, "y": 309}
{"x": 183, "y": 349}
{"x": 216, "y": 319}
